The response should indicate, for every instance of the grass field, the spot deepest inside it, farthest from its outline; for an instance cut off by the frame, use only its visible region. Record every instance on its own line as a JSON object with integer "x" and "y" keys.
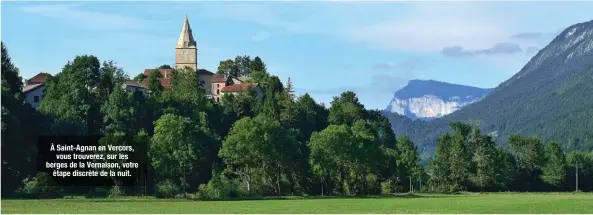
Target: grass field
{"x": 540, "y": 203}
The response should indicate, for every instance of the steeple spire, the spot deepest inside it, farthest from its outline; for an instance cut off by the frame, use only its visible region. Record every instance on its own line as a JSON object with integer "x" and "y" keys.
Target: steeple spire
{"x": 186, "y": 39}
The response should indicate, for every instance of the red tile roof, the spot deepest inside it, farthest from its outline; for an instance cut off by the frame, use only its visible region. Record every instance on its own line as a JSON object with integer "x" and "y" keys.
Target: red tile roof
{"x": 39, "y": 78}
{"x": 164, "y": 72}
{"x": 164, "y": 82}
{"x": 235, "y": 88}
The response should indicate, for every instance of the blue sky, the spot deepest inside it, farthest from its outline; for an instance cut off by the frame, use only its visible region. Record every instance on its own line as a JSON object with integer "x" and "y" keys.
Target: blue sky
{"x": 326, "y": 48}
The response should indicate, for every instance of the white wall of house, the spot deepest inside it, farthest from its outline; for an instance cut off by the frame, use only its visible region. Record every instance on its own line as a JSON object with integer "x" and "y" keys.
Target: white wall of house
{"x": 35, "y": 96}
{"x": 206, "y": 81}
{"x": 133, "y": 89}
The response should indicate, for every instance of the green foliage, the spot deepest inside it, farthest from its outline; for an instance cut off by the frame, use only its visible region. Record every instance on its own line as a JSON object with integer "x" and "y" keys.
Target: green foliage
{"x": 175, "y": 148}
{"x": 154, "y": 85}
{"x": 346, "y": 109}
{"x": 218, "y": 188}
{"x": 243, "y": 64}
{"x": 165, "y": 66}
{"x": 258, "y": 65}
{"x": 228, "y": 68}
{"x": 529, "y": 155}
{"x": 116, "y": 191}
{"x": 19, "y": 140}
{"x": 40, "y": 186}
{"x": 311, "y": 117}
{"x": 11, "y": 81}
{"x": 119, "y": 112}
{"x": 345, "y": 156}
{"x": 260, "y": 148}
{"x": 554, "y": 171}
{"x": 387, "y": 187}
{"x": 75, "y": 96}
{"x": 140, "y": 77}
{"x": 167, "y": 189}
{"x": 408, "y": 161}
{"x": 439, "y": 166}
{"x": 485, "y": 163}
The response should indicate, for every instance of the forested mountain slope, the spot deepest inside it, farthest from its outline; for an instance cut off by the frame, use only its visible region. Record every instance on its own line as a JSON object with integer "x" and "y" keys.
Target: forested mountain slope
{"x": 550, "y": 97}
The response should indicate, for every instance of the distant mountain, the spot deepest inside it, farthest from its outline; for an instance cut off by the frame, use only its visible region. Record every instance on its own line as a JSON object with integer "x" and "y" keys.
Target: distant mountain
{"x": 550, "y": 97}
{"x": 428, "y": 99}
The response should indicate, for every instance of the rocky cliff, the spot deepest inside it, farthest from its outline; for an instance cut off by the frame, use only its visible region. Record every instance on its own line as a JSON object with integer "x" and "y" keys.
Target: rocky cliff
{"x": 428, "y": 99}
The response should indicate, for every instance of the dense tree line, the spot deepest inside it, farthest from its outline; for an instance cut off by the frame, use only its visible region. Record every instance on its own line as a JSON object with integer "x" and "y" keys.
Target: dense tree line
{"x": 243, "y": 146}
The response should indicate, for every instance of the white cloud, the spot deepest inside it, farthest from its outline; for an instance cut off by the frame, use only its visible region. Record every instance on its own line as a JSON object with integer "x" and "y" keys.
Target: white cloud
{"x": 261, "y": 36}
{"x": 254, "y": 13}
{"x": 74, "y": 15}
{"x": 429, "y": 27}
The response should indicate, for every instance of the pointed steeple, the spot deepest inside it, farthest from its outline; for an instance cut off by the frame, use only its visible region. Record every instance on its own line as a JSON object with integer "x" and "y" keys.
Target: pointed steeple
{"x": 186, "y": 39}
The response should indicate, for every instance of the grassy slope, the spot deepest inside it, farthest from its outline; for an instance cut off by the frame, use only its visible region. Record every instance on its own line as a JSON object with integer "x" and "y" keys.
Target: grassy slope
{"x": 470, "y": 203}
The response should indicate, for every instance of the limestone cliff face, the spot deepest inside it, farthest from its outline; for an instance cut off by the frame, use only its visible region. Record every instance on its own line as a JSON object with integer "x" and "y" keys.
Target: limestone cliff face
{"x": 433, "y": 99}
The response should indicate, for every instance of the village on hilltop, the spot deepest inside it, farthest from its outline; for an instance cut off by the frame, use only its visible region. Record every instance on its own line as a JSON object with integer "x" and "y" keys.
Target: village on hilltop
{"x": 186, "y": 56}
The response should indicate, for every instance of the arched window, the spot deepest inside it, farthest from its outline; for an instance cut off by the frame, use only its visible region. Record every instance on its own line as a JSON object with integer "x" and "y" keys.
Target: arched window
{"x": 217, "y": 99}
{"x": 217, "y": 91}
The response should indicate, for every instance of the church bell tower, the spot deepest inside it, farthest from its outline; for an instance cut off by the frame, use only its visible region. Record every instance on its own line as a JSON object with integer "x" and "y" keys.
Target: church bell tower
{"x": 186, "y": 50}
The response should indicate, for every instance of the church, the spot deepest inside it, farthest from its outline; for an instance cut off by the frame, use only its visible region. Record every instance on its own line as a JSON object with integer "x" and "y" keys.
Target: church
{"x": 186, "y": 55}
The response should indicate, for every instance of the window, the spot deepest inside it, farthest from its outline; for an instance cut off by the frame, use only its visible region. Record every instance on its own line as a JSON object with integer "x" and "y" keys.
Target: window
{"x": 217, "y": 99}
{"x": 36, "y": 99}
{"x": 217, "y": 85}
{"x": 217, "y": 91}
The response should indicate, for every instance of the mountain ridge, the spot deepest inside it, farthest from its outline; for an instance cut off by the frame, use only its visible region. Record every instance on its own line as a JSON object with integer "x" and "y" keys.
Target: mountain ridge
{"x": 550, "y": 97}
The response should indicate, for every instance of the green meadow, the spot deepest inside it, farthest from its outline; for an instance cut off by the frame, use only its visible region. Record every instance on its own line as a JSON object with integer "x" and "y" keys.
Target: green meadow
{"x": 529, "y": 203}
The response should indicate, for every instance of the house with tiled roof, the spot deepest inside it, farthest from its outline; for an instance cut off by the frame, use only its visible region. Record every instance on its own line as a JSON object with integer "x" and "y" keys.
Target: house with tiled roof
{"x": 239, "y": 88}
{"x": 166, "y": 75}
{"x": 34, "y": 89}
{"x": 133, "y": 86}
{"x": 222, "y": 85}
{"x": 37, "y": 79}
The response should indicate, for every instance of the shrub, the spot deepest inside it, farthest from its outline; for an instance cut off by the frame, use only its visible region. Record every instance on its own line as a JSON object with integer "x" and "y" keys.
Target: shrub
{"x": 167, "y": 189}
{"x": 116, "y": 191}
{"x": 372, "y": 185}
{"x": 217, "y": 188}
{"x": 387, "y": 187}
{"x": 40, "y": 186}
